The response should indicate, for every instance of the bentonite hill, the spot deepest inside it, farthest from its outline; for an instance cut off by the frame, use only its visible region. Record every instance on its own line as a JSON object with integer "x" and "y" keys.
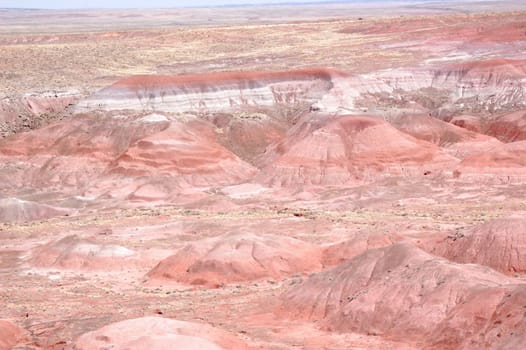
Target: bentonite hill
{"x": 329, "y": 176}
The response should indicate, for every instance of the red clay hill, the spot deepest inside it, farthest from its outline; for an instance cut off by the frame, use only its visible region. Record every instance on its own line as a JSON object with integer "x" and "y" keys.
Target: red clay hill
{"x": 349, "y": 150}
{"x": 238, "y": 257}
{"x": 499, "y": 244}
{"x": 402, "y": 292}
{"x": 159, "y": 333}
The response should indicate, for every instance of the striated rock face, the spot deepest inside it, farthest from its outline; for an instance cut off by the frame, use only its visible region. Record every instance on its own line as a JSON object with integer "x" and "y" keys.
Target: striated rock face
{"x": 238, "y": 257}
{"x": 72, "y": 252}
{"x": 404, "y": 293}
{"x": 490, "y": 85}
{"x": 499, "y": 244}
{"x": 156, "y": 333}
{"x": 213, "y": 92}
{"x": 477, "y": 86}
{"x": 347, "y": 150}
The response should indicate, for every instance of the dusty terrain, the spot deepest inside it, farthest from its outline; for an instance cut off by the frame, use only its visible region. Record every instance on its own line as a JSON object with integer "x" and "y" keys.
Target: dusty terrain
{"x": 342, "y": 177}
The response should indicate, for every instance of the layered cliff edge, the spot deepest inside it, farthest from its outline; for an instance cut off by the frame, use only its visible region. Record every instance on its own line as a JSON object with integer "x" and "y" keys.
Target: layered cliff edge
{"x": 486, "y": 87}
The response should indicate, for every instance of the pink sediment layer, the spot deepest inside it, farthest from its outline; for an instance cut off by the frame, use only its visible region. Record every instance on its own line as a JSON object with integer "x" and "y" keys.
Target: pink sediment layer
{"x": 214, "y": 91}
{"x": 211, "y": 79}
{"x": 494, "y": 84}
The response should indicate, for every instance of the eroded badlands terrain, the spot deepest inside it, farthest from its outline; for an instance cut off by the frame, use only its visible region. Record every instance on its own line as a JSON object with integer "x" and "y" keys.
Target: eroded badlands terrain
{"x": 349, "y": 183}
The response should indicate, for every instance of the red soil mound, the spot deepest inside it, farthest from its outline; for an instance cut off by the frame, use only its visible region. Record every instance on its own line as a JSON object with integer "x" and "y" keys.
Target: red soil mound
{"x": 404, "y": 293}
{"x": 349, "y": 149}
{"x": 505, "y": 160}
{"x": 96, "y": 152}
{"x": 156, "y": 333}
{"x": 434, "y": 130}
{"x": 96, "y": 135}
{"x": 238, "y": 257}
{"x": 509, "y": 128}
{"x": 16, "y": 210}
{"x": 70, "y": 153}
{"x": 10, "y": 335}
{"x": 72, "y": 252}
{"x": 458, "y": 141}
{"x": 188, "y": 151}
{"x": 499, "y": 244}
{"x": 358, "y": 244}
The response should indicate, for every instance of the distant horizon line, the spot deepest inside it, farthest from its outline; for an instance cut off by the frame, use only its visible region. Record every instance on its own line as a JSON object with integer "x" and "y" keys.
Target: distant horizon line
{"x": 240, "y": 4}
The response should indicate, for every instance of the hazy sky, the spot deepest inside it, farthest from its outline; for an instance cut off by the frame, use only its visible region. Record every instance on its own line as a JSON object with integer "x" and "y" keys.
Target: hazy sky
{"x": 54, "y": 4}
